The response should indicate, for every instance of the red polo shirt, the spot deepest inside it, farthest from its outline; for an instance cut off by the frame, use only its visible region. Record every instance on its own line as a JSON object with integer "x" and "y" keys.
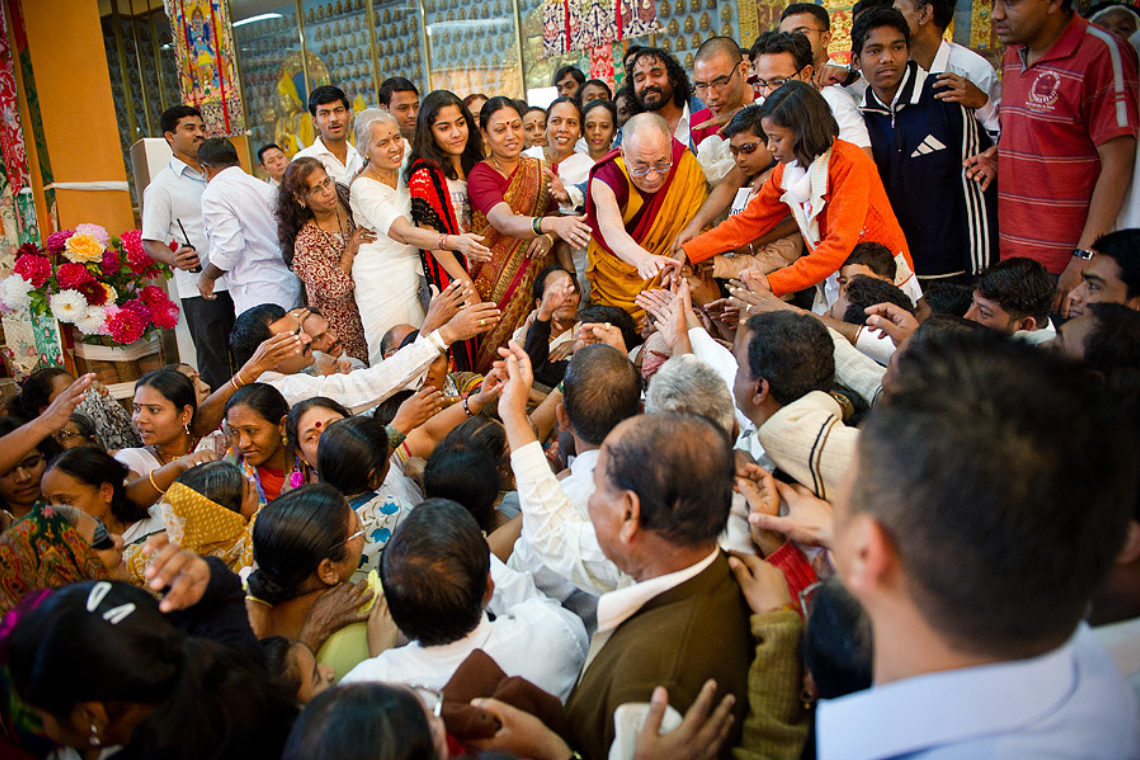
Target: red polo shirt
{"x": 1080, "y": 94}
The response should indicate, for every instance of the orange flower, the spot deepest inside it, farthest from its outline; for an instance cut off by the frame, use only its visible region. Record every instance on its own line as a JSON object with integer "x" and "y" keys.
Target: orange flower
{"x": 83, "y": 248}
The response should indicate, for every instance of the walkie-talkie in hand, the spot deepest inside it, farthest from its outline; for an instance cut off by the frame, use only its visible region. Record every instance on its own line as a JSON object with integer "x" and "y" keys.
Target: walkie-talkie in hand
{"x": 187, "y": 245}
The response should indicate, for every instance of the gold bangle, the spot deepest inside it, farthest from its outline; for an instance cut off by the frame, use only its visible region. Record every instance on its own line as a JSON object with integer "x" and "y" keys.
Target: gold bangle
{"x": 236, "y": 381}
{"x": 549, "y": 237}
{"x": 150, "y": 477}
{"x": 255, "y": 600}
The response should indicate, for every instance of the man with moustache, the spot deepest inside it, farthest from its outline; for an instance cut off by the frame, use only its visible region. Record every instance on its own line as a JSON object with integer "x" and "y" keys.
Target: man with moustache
{"x": 332, "y": 116}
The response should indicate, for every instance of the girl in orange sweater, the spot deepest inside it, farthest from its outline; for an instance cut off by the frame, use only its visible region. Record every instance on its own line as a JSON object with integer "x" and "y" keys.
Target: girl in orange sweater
{"x": 832, "y": 189}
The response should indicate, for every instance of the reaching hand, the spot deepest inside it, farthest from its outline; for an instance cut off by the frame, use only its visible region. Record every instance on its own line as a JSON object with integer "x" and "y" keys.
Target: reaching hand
{"x": 699, "y": 737}
{"x": 471, "y": 246}
{"x": 652, "y": 265}
{"x": 491, "y": 387}
{"x": 59, "y": 411}
{"x": 683, "y": 237}
{"x": 603, "y": 333}
{"x": 184, "y": 572}
{"x": 574, "y": 230}
{"x": 957, "y": 89}
{"x": 552, "y": 299}
{"x": 557, "y": 188}
{"x": 755, "y": 281}
{"x": 520, "y": 379}
{"x": 271, "y": 353}
{"x": 470, "y": 321}
{"x": 195, "y": 458}
{"x": 897, "y": 323}
{"x": 982, "y": 167}
{"x": 809, "y": 521}
{"x": 333, "y": 610}
{"x": 757, "y": 301}
{"x": 360, "y": 236}
{"x": 520, "y": 733}
{"x": 444, "y": 305}
{"x": 763, "y": 584}
{"x": 382, "y": 630}
{"x": 417, "y": 409}
{"x": 539, "y": 247}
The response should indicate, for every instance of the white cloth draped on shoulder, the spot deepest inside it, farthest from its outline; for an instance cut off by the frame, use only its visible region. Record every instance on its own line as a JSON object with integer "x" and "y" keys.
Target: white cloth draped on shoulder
{"x": 386, "y": 272}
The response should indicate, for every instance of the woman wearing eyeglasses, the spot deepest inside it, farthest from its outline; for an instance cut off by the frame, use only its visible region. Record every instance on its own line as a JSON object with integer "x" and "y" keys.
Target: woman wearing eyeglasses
{"x": 307, "y": 544}
{"x": 319, "y": 241}
{"x": 515, "y": 200}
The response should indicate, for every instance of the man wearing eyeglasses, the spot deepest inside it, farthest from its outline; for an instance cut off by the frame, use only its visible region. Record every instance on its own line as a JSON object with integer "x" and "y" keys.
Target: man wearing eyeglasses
{"x": 237, "y": 212}
{"x": 640, "y": 199}
{"x": 720, "y": 77}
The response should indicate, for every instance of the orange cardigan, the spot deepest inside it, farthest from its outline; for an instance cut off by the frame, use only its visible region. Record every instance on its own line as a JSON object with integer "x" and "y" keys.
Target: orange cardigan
{"x": 857, "y": 210}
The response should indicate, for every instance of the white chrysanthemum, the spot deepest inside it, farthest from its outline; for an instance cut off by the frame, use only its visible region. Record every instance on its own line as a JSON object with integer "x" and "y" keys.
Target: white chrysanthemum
{"x": 68, "y": 306}
{"x": 93, "y": 321}
{"x": 15, "y": 292}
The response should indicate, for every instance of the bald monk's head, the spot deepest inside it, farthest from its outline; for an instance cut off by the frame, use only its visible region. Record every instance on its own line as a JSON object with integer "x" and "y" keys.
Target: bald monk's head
{"x": 647, "y": 147}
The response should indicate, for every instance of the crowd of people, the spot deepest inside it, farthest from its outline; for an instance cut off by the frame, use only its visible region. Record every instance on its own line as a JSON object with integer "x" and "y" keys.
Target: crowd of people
{"x": 772, "y": 409}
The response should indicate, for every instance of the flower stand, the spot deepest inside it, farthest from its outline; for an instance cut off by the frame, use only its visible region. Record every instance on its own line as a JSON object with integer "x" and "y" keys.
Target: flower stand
{"x": 118, "y": 367}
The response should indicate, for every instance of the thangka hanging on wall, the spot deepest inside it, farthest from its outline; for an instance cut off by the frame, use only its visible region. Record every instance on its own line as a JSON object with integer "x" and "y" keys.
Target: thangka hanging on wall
{"x": 569, "y": 25}
{"x": 204, "y": 50}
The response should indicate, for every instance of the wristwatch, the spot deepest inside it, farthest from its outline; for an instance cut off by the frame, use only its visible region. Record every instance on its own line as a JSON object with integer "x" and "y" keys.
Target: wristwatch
{"x": 1084, "y": 253}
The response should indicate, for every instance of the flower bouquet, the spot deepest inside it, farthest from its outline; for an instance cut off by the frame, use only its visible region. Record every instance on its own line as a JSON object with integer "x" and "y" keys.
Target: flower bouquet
{"x": 98, "y": 283}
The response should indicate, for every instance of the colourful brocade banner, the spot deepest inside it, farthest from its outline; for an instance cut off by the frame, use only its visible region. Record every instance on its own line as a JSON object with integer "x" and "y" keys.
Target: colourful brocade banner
{"x": 587, "y": 25}
{"x": 204, "y": 50}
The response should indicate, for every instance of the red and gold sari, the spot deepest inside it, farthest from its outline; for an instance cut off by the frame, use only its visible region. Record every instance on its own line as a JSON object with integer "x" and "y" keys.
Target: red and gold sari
{"x": 507, "y": 279}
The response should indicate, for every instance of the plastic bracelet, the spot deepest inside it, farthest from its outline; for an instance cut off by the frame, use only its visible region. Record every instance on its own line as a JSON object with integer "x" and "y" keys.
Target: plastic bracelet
{"x": 466, "y": 408}
{"x": 536, "y": 225}
{"x": 150, "y": 477}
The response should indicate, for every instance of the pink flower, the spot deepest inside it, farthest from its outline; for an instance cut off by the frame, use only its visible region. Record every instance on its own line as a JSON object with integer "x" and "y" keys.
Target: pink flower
{"x": 34, "y": 268}
{"x": 56, "y": 240}
{"x": 110, "y": 263}
{"x": 152, "y": 296}
{"x": 165, "y": 315}
{"x": 139, "y": 308}
{"x": 125, "y": 326}
{"x": 94, "y": 292}
{"x": 132, "y": 241}
{"x": 137, "y": 260}
{"x": 72, "y": 275}
{"x": 96, "y": 231}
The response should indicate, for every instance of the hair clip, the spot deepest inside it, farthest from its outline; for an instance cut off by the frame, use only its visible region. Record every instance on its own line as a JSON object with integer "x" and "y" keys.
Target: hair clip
{"x": 115, "y": 615}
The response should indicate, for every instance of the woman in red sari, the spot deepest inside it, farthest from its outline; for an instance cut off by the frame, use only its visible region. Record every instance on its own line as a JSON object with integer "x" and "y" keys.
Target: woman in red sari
{"x": 446, "y": 147}
{"x": 515, "y": 207}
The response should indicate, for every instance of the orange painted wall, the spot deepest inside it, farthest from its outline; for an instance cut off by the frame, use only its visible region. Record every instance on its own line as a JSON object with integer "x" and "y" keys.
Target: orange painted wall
{"x": 74, "y": 88}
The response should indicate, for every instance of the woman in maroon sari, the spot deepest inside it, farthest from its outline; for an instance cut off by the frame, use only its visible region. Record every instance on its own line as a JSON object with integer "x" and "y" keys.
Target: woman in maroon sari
{"x": 515, "y": 200}
{"x": 446, "y": 147}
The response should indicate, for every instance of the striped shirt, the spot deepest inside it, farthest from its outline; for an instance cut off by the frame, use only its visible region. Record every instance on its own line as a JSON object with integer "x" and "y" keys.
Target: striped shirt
{"x": 1077, "y": 96}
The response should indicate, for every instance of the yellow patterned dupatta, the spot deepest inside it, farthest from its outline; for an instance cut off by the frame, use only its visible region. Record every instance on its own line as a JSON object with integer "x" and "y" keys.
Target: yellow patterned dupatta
{"x": 204, "y": 527}
{"x": 508, "y": 277}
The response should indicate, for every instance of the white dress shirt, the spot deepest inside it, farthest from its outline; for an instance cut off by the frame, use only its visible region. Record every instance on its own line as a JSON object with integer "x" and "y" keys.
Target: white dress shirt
{"x": 852, "y": 128}
{"x": 362, "y": 388}
{"x": 535, "y": 639}
{"x": 340, "y": 172}
{"x": 1069, "y": 703}
{"x": 578, "y": 485}
{"x": 175, "y": 194}
{"x": 238, "y": 213}
{"x": 559, "y": 534}
{"x": 960, "y": 60}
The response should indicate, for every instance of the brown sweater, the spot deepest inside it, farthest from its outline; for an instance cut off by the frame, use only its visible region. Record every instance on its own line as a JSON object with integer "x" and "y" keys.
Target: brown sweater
{"x": 679, "y": 639}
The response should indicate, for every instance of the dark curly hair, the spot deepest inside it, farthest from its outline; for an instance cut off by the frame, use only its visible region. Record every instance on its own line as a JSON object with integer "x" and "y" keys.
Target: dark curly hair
{"x": 291, "y": 215}
{"x": 682, "y": 90}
